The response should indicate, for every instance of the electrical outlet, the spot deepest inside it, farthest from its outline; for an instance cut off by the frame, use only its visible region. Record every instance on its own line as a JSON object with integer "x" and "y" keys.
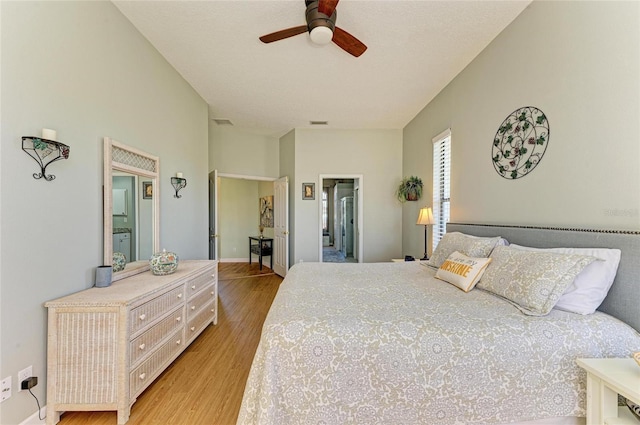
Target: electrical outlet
{"x": 5, "y": 389}
{"x": 24, "y": 374}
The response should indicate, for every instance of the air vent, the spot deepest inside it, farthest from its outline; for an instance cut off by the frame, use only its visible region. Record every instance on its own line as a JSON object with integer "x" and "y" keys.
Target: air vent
{"x": 222, "y": 122}
{"x": 319, "y": 122}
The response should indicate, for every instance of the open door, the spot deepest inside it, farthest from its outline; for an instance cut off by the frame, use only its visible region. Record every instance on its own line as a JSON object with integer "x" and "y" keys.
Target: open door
{"x": 281, "y": 226}
{"x": 346, "y": 225}
{"x": 213, "y": 215}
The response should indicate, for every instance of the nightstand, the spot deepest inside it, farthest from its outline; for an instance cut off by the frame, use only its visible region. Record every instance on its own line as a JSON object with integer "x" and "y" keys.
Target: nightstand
{"x": 401, "y": 260}
{"x": 606, "y": 378}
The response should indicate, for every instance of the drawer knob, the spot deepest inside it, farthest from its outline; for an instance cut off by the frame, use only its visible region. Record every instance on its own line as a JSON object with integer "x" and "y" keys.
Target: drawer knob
{"x": 143, "y": 316}
{"x": 178, "y": 319}
{"x": 180, "y": 295}
{"x": 193, "y": 328}
{"x": 142, "y": 376}
{"x": 142, "y": 346}
{"x": 193, "y": 286}
{"x": 213, "y": 310}
{"x": 178, "y": 342}
{"x": 193, "y": 307}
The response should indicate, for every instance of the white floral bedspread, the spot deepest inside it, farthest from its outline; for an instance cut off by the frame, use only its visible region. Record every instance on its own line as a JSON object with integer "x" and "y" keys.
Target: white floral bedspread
{"x": 387, "y": 343}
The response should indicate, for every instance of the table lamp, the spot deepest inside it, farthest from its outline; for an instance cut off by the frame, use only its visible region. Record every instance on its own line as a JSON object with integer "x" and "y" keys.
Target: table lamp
{"x": 425, "y": 218}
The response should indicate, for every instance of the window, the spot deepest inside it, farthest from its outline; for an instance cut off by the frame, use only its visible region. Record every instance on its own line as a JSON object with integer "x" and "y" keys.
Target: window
{"x": 325, "y": 209}
{"x": 441, "y": 185}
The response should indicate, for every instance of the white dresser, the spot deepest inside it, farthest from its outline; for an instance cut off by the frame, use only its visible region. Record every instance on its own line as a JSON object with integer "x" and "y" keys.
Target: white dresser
{"x": 106, "y": 345}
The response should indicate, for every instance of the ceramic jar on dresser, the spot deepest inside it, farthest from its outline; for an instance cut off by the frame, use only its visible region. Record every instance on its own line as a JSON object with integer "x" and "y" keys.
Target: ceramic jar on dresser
{"x": 107, "y": 345}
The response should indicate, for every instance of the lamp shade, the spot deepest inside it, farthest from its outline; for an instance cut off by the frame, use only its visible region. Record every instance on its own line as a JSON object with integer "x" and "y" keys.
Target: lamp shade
{"x": 426, "y": 216}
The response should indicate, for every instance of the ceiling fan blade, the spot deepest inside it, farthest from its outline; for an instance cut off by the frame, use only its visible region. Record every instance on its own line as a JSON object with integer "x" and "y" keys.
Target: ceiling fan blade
{"x": 347, "y": 42}
{"x": 282, "y": 34}
{"x": 327, "y": 6}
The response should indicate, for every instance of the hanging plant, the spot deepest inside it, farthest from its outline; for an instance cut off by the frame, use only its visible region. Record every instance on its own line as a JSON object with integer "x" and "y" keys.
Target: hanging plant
{"x": 410, "y": 189}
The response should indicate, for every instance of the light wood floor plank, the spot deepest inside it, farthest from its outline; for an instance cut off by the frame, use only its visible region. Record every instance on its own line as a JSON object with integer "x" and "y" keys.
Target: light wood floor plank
{"x": 205, "y": 384}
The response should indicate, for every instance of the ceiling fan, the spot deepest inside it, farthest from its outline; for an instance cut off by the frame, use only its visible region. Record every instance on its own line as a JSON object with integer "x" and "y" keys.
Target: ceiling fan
{"x": 321, "y": 25}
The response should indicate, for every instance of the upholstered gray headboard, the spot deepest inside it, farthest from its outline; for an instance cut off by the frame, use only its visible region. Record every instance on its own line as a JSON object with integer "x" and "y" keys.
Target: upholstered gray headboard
{"x": 623, "y": 300}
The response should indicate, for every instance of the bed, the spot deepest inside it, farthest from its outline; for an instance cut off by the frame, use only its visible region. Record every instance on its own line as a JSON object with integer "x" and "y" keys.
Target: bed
{"x": 388, "y": 343}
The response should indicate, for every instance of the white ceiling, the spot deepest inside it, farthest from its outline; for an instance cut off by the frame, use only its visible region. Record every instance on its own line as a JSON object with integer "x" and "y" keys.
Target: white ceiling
{"x": 415, "y": 48}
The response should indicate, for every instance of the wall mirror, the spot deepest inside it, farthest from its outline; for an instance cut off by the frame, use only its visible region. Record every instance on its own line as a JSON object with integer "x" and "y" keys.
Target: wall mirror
{"x": 130, "y": 176}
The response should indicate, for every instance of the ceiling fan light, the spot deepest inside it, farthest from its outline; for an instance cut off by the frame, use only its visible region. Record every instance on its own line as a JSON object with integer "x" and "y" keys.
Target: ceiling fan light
{"x": 321, "y": 35}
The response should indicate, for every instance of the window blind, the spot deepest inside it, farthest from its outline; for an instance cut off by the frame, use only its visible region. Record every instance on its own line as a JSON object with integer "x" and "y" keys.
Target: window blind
{"x": 441, "y": 185}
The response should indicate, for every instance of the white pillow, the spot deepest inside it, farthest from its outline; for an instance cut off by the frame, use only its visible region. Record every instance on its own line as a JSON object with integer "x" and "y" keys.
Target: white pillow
{"x": 473, "y": 246}
{"x": 587, "y": 291}
{"x": 462, "y": 271}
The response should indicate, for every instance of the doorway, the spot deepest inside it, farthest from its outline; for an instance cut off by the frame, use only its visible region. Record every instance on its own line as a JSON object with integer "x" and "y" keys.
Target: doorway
{"x": 237, "y": 215}
{"x": 341, "y": 218}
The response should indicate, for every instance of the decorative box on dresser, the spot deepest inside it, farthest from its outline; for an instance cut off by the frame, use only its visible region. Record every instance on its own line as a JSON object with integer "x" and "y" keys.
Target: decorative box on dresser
{"x": 107, "y": 345}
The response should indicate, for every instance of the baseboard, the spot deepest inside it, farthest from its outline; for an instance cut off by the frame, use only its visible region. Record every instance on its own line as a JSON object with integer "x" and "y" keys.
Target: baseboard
{"x": 234, "y": 260}
{"x": 35, "y": 419}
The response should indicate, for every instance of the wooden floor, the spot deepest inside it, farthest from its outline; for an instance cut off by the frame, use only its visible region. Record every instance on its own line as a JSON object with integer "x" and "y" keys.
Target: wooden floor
{"x": 205, "y": 384}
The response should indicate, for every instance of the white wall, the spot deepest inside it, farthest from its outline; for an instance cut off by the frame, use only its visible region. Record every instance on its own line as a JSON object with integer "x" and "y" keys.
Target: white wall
{"x": 579, "y": 63}
{"x": 376, "y": 154}
{"x": 82, "y": 69}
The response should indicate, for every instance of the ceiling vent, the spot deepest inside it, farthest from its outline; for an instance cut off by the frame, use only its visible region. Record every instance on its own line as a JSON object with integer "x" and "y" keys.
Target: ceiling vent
{"x": 222, "y": 122}
{"x": 319, "y": 122}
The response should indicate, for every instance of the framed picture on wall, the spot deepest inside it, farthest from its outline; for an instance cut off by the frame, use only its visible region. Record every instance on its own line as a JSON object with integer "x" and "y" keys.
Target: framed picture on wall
{"x": 147, "y": 190}
{"x": 266, "y": 211}
{"x": 308, "y": 191}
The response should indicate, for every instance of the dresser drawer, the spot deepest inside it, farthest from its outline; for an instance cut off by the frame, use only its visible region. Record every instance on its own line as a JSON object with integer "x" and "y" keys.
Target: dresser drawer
{"x": 145, "y": 314}
{"x": 145, "y": 343}
{"x": 197, "y": 302}
{"x": 196, "y": 284}
{"x": 105, "y": 346}
{"x": 200, "y": 320}
{"x": 143, "y": 375}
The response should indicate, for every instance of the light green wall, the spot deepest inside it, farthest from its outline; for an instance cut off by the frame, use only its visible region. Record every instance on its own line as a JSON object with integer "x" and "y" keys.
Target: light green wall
{"x": 377, "y": 155}
{"x": 239, "y": 151}
{"x": 82, "y": 69}
{"x": 238, "y": 216}
{"x": 287, "y": 154}
{"x": 579, "y": 63}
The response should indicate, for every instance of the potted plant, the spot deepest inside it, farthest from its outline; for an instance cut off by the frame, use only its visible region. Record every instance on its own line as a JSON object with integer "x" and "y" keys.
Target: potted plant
{"x": 410, "y": 189}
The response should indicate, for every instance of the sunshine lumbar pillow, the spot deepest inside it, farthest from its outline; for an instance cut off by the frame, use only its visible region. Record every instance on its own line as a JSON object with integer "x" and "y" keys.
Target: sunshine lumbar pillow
{"x": 462, "y": 271}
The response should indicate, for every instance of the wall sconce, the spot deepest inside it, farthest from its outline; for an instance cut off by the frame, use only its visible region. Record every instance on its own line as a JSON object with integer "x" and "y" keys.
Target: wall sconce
{"x": 45, "y": 150}
{"x": 178, "y": 182}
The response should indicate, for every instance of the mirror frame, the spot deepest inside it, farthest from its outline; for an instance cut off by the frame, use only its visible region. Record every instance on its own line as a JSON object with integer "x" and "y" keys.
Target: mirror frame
{"x": 120, "y": 157}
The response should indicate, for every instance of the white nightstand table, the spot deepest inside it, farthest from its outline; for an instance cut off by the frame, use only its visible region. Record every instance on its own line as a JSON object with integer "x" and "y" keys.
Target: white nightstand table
{"x": 606, "y": 378}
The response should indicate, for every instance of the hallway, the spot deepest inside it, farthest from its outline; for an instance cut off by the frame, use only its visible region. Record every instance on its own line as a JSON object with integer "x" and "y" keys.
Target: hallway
{"x": 332, "y": 255}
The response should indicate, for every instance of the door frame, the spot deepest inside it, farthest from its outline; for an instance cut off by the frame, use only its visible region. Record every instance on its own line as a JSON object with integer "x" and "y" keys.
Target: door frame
{"x": 215, "y": 207}
{"x": 213, "y": 215}
{"x": 280, "y": 251}
{"x": 360, "y": 220}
